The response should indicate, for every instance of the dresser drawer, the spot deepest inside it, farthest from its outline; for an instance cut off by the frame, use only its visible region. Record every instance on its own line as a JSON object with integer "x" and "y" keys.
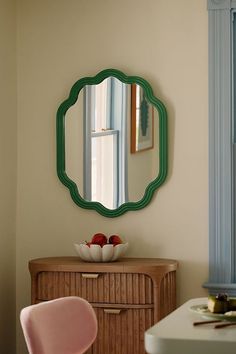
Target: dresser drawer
{"x": 112, "y": 288}
{"x": 123, "y": 332}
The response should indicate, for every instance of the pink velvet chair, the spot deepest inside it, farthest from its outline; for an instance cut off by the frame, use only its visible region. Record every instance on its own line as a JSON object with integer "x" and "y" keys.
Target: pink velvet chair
{"x": 66, "y": 325}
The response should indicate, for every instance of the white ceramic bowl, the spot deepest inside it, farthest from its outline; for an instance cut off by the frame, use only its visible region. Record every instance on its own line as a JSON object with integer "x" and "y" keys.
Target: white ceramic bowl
{"x": 96, "y": 253}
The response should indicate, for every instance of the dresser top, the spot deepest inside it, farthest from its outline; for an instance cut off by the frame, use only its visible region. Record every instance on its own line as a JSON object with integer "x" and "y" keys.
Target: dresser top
{"x": 138, "y": 265}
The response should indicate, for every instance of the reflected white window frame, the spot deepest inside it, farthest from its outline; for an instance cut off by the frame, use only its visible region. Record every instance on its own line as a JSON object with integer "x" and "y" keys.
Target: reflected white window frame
{"x": 112, "y": 172}
{"x": 120, "y": 189}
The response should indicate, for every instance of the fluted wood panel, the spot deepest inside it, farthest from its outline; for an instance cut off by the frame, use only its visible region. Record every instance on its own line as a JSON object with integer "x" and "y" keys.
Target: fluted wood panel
{"x": 168, "y": 294}
{"x": 121, "y": 333}
{"x": 113, "y": 288}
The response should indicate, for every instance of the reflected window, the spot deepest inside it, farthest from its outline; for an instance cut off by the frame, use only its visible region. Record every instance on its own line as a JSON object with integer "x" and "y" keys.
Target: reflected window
{"x": 101, "y": 100}
{"x": 104, "y": 169}
{"x": 105, "y": 157}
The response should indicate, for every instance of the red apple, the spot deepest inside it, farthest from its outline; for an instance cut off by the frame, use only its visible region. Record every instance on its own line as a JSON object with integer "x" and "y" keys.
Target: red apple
{"x": 99, "y": 239}
{"x": 115, "y": 240}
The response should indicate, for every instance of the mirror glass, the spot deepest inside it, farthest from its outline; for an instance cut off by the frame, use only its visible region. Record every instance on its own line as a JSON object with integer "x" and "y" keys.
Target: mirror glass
{"x": 111, "y": 142}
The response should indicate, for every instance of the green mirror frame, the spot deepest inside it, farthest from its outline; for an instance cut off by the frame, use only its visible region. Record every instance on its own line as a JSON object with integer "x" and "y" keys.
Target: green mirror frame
{"x": 162, "y": 149}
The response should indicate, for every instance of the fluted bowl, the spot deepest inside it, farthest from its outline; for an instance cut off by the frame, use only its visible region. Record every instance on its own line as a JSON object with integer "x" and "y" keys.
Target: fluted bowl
{"x": 96, "y": 253}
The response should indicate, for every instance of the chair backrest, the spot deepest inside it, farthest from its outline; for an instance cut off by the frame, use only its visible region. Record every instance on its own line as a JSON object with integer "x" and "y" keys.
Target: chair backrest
{"x": 66, "y": 325}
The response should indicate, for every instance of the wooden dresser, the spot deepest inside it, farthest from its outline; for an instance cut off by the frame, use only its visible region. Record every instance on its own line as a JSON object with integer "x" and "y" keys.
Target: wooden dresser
{"x": 128, "y": 296}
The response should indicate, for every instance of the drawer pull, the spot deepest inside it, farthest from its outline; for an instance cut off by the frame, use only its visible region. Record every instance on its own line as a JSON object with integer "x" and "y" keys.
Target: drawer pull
{"x": 90, "y": 275}
{"x": 113, "y": 311}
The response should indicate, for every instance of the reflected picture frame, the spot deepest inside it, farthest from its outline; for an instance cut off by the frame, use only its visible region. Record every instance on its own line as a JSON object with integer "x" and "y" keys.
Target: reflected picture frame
{"x": 142, "y": 121}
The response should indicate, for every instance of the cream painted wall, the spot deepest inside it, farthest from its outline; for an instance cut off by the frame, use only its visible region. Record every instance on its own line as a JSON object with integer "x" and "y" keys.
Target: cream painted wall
{"x": 8, "y": 174}
{"x": 165, "y": 42}
{"x": 143, "y": 166}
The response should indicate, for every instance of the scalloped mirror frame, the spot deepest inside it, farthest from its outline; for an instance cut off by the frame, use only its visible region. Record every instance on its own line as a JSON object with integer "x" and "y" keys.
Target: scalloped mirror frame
{"x": 162, "y": 149}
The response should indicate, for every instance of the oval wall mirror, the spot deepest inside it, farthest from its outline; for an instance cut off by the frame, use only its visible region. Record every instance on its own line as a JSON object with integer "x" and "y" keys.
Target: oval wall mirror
{"x": 112, "y": 143}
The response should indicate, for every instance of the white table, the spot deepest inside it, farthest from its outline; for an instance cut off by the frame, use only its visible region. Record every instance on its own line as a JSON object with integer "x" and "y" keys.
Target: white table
{"x": 175, "y": 334}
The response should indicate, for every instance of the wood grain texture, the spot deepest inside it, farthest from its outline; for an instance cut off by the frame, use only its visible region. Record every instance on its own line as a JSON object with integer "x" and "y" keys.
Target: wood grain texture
{"x": 123, "y": 333}
{"x": 142, "y": 290}
{"x": 110, "y": 288}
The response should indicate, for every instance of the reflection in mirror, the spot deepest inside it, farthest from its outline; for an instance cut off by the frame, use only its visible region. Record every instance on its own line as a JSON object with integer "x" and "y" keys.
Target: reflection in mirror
{"x": 111, "y": 142}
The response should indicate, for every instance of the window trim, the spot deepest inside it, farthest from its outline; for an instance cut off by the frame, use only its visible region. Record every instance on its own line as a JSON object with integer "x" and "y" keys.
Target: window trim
{"x": 221, "y": 229}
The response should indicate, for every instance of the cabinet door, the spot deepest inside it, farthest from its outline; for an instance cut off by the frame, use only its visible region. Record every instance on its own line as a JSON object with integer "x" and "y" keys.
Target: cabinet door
{"x": 121, "y": 333}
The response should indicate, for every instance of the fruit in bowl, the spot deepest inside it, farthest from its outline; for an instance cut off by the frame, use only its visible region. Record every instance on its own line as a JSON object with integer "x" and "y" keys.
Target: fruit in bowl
{"x": 115, "y": 240}
{"x": 101, "y": 248}
{"x": 99, "y": 239}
